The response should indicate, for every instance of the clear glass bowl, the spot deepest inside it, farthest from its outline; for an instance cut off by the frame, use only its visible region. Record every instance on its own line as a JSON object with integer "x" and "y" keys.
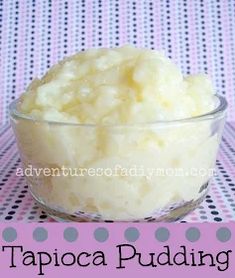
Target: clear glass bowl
{"x": 142, "y": 172}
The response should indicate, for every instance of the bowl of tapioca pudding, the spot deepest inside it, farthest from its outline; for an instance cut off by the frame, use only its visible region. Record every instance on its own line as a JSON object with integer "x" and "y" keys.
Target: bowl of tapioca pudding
{"x": 118, "y": 134}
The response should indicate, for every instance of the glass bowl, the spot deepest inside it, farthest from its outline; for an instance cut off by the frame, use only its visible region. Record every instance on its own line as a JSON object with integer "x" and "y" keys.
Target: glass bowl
{"x": 140, "y": 172}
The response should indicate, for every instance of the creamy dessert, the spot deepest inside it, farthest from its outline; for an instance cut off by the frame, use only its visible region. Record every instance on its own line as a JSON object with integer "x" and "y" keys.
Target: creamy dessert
{"x": 117, "y": 86}
{"x": 116, "y": 109}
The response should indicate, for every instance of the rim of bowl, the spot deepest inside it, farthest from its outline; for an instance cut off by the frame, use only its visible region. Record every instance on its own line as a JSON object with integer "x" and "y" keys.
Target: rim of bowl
{"x": 219, "y": 110}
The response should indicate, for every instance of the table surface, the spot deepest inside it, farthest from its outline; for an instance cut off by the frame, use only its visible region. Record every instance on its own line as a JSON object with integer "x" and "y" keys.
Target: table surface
{"x": 197, "y": 35}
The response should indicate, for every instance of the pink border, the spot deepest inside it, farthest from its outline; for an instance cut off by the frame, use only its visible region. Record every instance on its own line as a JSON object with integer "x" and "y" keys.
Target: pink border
{"x": 145, "y": 243}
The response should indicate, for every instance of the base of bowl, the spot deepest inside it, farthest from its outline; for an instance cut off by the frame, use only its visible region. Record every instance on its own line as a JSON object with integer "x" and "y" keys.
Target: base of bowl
{"x": 172, "y": 213}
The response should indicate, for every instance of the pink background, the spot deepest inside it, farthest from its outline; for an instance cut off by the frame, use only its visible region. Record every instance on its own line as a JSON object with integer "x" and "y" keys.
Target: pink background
{"x": 146, "y": 243}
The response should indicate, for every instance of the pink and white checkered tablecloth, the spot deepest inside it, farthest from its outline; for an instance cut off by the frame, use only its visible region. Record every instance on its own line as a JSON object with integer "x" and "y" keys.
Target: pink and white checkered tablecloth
{"x": 197, "y": 35}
